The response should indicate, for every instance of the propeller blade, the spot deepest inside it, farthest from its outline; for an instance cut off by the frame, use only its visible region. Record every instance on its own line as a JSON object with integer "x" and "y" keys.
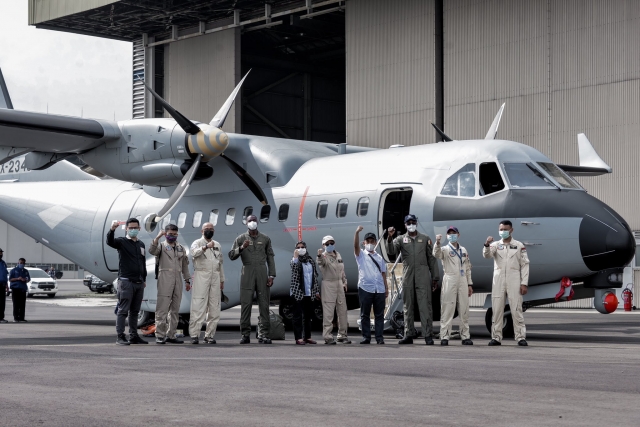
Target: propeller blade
{"x": 442, "y": 134}
{"x": 493, "y": 130}
{"x": 187, "y": 125}
{"x": 180, "y": 190}
{"x": 247, "y": 179}
{"x": 219, "y": 118}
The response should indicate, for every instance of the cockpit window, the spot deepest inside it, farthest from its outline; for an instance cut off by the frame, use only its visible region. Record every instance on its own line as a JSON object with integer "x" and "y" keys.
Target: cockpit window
{"x": 523, "y": 175}
{"x": 461, "y": 183}
{"x": 559, "y": 175}
{"x": 490, "y": 178}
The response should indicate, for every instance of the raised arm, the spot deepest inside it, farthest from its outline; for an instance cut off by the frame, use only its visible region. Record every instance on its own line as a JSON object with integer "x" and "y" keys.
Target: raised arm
{"x": 437, "y": 248}
{"x": 356, "y": 241}
{"x": 236, "y": 249}
{"x": 489, "y": 250}
{"x": 111, "y": 240}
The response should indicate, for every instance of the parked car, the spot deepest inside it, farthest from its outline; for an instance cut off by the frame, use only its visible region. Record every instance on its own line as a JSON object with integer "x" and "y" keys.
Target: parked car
{"x": 41, "y": 283}
{"x": 95, "y": 284}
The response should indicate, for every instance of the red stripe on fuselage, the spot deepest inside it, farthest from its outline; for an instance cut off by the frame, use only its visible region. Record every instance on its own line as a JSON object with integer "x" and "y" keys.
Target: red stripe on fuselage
{"x": 304, "y": 197}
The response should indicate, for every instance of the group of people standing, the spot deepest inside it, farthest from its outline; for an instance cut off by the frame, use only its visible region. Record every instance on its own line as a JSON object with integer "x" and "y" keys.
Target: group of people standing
{"x": 420, "y": 278}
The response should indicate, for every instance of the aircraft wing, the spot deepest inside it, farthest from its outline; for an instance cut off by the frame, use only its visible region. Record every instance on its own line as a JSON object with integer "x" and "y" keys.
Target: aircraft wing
{"x": 52, "y": 133}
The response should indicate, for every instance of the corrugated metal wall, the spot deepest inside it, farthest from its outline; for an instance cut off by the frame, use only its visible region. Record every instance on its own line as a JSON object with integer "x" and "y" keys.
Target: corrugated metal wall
{"x": 200, "y": 74}
{"x": 390, "y": 72}
{"x": 44, "y": 10}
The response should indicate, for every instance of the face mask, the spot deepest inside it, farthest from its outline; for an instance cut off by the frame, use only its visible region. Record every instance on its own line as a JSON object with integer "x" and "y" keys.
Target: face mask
{"x": 252, "y": 225}
{"x": 411, "y": 228}
{"x": 133, "y": 233}
{"x": 330, "y": 248}
{"x": 504, "y": 234}
{"x": 452, "y": 238}
{"x": 370, "y": 246}
{"x": 208, "y": 234}
{"x": 302, "y": 251}
{"x": 171, "y": 238}
{"x": 20, "y": 265}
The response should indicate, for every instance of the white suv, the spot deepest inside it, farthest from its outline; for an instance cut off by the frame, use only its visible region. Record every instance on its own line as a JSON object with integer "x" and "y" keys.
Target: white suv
{"x": 41, "y": 283}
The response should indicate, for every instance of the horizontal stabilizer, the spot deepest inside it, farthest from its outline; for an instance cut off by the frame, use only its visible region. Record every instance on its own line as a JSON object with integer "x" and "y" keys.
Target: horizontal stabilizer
{"x": 590, "y": 162}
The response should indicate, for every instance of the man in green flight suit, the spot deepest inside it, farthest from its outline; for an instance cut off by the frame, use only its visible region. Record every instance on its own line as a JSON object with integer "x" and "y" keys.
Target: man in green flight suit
{"x": 255, "y": 250}
{"x": 420, "y": 277}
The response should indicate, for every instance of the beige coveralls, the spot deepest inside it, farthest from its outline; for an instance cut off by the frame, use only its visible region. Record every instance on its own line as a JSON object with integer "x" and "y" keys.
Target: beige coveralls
{"x": 511, "y": 269}
{"x": 333, "y": 297}
{"x": 255, "y": 260}
{"x": 173, "y": 269}
{"x": 455, "y": 286}
{"x": 208, "y": 273}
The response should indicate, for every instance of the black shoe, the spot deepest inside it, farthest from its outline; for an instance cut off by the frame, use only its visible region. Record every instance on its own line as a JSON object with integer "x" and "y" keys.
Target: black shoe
{"x": 406, "y": 340}
{"x": 467, "y": 342}
{"x": 195, "y": 340}
{"x": 365, "y": 341}
{"x": 122, "y": 340}
{"x": 444, "y": 342}
{"x": 161, "y": 340}
{"x": 245, "y": 339}
{"x": 174, "y": 341}
{"x": 266, "y": 341}
{"x": 23, "y": 320}
{"x": 495, "y": 342}
{"x": 209, "y": 341}
{"x": 428, "y": 341}
{"x": 344, "y": 340}
{"x": 523, "y": 343}
{"x": 3, "y": 321}
{"x": 260, "y": 340}
{"x": 135, "y": 339}
{"x": 380, "y": 341}
{"x": 330, "y": 342}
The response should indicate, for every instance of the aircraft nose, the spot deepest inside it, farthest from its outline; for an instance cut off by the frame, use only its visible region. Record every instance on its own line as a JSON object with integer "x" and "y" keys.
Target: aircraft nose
{"x": 605, "y": 241}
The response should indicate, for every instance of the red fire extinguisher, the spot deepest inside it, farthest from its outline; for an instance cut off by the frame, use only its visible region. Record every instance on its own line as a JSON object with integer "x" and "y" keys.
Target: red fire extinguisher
{"x": 627, "y": 298}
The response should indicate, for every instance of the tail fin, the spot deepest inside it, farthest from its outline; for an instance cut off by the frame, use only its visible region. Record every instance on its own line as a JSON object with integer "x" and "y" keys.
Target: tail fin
{"x": 5, "y": 99}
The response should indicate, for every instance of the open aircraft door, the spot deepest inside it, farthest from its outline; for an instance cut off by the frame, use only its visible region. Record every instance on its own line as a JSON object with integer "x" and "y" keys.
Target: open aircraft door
{"x": 395, "y": 204}
{"x": 120, "y": 210}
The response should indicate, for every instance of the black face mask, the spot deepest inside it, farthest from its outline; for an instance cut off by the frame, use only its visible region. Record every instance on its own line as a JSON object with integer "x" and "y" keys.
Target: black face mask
{"x": 208, "y": 234}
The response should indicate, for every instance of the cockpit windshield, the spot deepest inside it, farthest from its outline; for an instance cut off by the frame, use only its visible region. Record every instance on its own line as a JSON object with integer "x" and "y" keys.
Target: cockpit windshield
{"x": 523, "y": 175}
{"x": 462, "y": 183}
{"x": 559, "y": 176}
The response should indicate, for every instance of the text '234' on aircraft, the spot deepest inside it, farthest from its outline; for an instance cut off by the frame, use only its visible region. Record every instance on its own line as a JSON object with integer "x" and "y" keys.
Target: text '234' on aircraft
{"x": 163, "y": 172}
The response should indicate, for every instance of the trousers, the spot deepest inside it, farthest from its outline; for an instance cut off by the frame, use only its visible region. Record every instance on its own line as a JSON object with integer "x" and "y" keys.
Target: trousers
{"x": 19, "y": 298}
{"x": 167, "y": 308}
{"x": 129, "y": 301}
{"x": 454, "y": 289}
{"x": 3, "y": 298}
{"x": 246, "y": 301}
{"x": 377, "y": 300}
{"x": 333, "y": 301}
{"x": 420, "y": 292}
{"x": 302, "y": 313}
{"x": 499, "y": 293}
{"x": 205, "y": 302}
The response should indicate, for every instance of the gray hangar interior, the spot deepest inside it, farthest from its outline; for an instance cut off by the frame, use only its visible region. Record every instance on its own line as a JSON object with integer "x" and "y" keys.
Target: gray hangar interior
{"x": 377, "y": 72}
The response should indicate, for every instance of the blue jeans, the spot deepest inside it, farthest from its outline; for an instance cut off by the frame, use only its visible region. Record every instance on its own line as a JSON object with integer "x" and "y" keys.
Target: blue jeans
{"x": 367, "y": 299}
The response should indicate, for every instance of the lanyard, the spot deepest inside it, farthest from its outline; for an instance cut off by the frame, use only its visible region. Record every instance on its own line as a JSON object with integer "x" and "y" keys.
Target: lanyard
{"x": 458, "y": 254}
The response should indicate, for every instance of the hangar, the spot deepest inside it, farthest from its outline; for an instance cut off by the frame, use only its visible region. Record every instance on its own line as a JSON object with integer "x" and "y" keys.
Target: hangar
{"x": 377, "y": 72}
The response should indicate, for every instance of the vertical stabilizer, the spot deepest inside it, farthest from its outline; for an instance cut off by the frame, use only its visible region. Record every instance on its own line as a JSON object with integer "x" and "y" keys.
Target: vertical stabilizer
{"x": 5, "y": 100}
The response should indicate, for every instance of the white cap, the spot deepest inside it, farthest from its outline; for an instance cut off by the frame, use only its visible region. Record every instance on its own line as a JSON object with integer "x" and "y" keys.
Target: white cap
{"x": 325, "y": 239}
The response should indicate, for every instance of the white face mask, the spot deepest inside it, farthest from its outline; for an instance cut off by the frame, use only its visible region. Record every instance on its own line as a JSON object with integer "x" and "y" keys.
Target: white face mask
{"x": 370, "y": 246}
{"x": 302, "y": 251}
{"x": 411, "y": 228}
{"x": 252, "y": 225}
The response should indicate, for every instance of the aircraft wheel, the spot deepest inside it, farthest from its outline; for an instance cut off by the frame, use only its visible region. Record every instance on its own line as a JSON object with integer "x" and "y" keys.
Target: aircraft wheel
{"x": 112, "y": 289}
{"x": 316, "y": 321}
{"x": 145, "y": 317}
{"x": 507, "y": 323}
{"x": 286, "y": 312}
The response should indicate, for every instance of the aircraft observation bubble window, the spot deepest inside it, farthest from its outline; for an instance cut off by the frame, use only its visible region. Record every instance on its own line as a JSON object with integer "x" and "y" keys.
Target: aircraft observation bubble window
{"x": 248, "y": 211}
{"x": 283, "y": 212}
{"x": 321, "y": 210}
{"x": 166, "y": 221}
{"x": 231, "y": 215}
{"x": 363, "y": 206}
{"x": 182, "y": 219}
{"x": 341, "y": 209}
{"x": 213, "y": 216}
{"x": 197, "y": 219}
{"x": 522, "y": 175}
{"x": 490, "y": 179}
{"x": 559, "y": 175}
{"x": 265, "y": 212}
{"x": 462, "y": 183}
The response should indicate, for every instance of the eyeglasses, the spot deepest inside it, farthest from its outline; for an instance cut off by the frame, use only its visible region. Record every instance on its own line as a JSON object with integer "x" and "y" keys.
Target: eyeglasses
{"x": 299, "y": 247}
{"x": 330, "y": 243}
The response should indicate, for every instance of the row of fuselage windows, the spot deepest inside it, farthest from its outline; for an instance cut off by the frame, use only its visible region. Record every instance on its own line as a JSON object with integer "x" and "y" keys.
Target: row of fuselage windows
{"x": 199, "y": 217}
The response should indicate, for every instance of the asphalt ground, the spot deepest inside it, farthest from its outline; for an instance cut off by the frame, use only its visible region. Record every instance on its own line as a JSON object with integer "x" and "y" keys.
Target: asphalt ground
{"x": 64, "y": 369}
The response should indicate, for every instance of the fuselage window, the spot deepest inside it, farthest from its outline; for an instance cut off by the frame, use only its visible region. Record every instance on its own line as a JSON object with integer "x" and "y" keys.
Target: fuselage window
{"x": 490, "y": 179}
{"x": 283, "y": 212}
{"x": 231, "y": 215}
{"x": 341, "y": 209}
{"x": 182, "y": 219}
{"x": 363, "y": 206}
{"x": 321, "y": 210}
{"x": 522, "y": 175}
{"x": 166, "y": 221}
{"x": 462, "y": 183}
{"x": 559, "y": 175}
{"x": 265, "y": 212}
{"x": 248, "y": 211}
{"x": 197, "y": 219}
{"x": 213, "y": 216}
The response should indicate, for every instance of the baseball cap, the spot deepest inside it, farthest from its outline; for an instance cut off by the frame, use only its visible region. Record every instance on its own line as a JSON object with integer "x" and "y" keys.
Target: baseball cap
{"x": 452, "y": 228}
{"x": 326, "y": 239}
{"x": 370, "y": 236}
{"x": 410, "y": 217}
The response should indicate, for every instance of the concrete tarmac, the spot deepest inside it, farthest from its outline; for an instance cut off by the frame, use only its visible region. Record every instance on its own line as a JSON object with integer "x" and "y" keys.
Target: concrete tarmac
{"x": 64, "y": 369}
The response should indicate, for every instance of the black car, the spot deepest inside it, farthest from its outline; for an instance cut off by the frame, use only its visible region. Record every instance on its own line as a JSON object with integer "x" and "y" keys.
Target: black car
{"x": 98, "y": 285}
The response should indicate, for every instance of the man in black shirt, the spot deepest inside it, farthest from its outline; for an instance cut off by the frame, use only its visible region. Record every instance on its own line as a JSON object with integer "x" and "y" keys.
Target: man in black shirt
{"x": 132, "y": 276}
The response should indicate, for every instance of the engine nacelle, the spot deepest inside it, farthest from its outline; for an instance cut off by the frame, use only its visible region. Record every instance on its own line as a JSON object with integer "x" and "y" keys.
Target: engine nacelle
{"x": 605, "y": 301}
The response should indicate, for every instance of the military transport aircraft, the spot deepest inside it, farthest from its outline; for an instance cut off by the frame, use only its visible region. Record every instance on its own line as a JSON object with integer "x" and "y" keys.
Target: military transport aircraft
{"x": 163, "y": 172}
